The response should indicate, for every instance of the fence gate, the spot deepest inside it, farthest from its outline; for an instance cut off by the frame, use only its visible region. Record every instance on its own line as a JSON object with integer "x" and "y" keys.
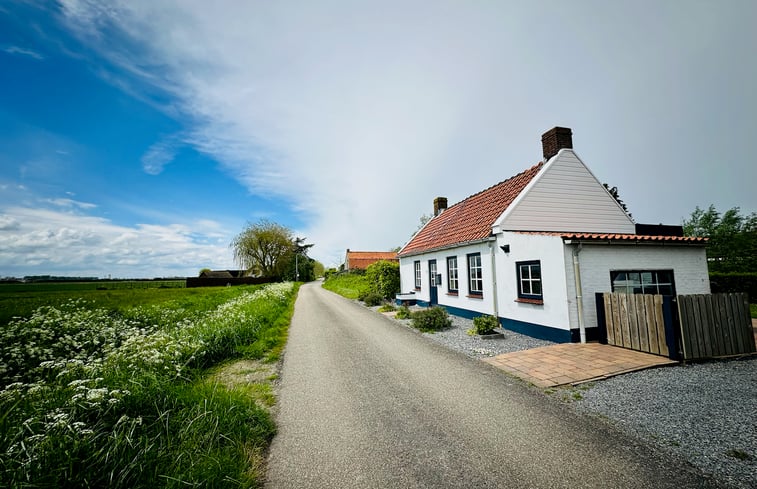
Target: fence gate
{"x": 715, "y": 325}
{"x": 635, "y": 321}
{"x": 701, "y": 326}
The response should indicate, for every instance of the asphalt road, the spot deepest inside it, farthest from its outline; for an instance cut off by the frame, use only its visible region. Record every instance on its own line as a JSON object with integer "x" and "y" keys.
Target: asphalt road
{"x": 365, "y": 402}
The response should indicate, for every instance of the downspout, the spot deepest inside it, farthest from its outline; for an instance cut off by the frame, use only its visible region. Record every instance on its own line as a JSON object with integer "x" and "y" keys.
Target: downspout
{"x": 492, "y": 250}
{"x": 579, "y": 292}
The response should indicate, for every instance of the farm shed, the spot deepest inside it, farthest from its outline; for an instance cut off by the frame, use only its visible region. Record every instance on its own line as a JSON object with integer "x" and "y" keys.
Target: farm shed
{"x": 534, "y": 250}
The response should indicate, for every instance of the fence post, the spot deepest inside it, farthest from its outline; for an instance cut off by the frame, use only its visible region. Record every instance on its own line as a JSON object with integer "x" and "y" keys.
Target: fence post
{"x": 599, "y": 298}
{"x": 672, "y": 332}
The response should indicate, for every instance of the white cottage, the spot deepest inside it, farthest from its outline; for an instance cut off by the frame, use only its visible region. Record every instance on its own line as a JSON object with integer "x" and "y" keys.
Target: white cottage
{"x": 534, "y": 250}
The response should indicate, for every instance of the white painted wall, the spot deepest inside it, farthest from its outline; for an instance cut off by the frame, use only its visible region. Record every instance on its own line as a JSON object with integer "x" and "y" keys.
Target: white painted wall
{"x": 549, "y": 250}
{"x": 689, "y": 265}
{"x": 565, "y": 196}
{"x": 462, "y": 300}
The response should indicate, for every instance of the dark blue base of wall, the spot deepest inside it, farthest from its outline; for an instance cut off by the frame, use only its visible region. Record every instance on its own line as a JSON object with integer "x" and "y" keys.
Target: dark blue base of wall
{"x": 528, "y": 329}
{"x": 536, "y": 330}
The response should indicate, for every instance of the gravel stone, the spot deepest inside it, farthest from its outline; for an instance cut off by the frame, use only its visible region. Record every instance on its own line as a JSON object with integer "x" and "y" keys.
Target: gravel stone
{"x": 705, "y": 413}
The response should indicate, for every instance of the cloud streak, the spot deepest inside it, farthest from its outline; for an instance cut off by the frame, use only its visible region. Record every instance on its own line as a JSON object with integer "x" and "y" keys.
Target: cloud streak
{"x": 359, "y": 115}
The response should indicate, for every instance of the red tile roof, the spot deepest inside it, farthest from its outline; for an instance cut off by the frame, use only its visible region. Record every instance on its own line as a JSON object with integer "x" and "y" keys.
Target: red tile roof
{"x": 470, "y": 219}
{"x": 621, "y": 237}
{"x": 362, "y": 259}
{"x": 632, "y": 237}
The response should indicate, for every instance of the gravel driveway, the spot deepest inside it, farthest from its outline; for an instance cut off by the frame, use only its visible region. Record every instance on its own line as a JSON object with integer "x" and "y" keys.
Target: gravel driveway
{"x": 703, "y": 412}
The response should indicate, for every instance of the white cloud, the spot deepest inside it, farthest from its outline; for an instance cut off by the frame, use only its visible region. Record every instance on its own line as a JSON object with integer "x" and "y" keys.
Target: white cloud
{"x": 160, "y": 154}
{"x": 360, "y": 114}
{"x": 17, "y": 50}
{"x": 70, "y": 203}
{"x": 62, "y": 242}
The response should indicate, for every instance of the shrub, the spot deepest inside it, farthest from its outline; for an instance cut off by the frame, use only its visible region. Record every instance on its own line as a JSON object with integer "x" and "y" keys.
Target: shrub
{"x": 387, "y": 308}
{"x": 373, "y": 299}
{"x": 431, "y": 319}
{"x": 403, "y": 313}
{"x": 384, "y": 278}
{"x": 735, "y": 282}
{"x": 484, "y": 324}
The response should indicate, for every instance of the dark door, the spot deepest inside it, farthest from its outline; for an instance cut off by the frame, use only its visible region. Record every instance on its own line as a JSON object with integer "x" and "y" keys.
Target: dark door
{"x": 433, "y": 291}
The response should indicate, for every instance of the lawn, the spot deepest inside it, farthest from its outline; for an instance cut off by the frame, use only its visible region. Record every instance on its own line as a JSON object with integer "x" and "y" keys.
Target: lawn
{"x": 349, "y": 285}
{"x": 119, "y": 388}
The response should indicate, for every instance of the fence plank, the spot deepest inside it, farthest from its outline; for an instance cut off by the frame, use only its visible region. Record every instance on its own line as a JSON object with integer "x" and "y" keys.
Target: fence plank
{"x": 649, "y": 319}
{"x": 642, "y": 323}
{"x": 704, "y": 325}
{"x": 609, "y": 322}
{"x": 633, "y": 322}
{"x": 659, "y": 321}
{"x": 617, "y": 324}
{"x": 719, "y": 348}
{"x": 625, "y": 327}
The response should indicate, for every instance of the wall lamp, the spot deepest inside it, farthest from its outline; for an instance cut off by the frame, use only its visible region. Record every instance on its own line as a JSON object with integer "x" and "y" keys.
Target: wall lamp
{"x": 505, "y": 248}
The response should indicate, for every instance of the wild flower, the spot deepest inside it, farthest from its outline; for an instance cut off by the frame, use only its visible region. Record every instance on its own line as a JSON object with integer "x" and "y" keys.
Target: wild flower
{"x": 66, "y": 371}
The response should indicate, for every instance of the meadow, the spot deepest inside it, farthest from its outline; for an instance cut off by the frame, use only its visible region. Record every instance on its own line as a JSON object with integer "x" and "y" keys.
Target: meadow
{"x": 118, "y": 388}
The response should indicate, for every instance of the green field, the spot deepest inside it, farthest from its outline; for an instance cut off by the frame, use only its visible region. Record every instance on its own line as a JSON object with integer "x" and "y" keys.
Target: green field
{"x": 127, "y": 387}
{"x": 21, "y": 299}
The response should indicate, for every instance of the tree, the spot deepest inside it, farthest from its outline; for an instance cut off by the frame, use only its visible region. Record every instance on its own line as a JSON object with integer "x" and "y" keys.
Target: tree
{"x": 263, "y": 248}
{"x": 319, "y": 270}
{"x": 732, "y": 245}
{"x": 616, "y": 195}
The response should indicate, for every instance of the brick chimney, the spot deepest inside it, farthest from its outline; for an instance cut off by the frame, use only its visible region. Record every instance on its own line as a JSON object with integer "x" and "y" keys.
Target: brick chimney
{"x": 556, "y": 139}
{"x": 440, "y": 204}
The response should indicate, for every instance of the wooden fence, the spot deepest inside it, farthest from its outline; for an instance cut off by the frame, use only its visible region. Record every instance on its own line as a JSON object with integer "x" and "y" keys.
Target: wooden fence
{"x": 636, "y": 321}
{"x": 702, "y": 326}
{"x": 715, "y": 325}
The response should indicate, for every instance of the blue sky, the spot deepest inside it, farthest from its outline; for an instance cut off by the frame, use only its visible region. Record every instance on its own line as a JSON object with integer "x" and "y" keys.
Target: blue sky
{"x": 137, "y": 138}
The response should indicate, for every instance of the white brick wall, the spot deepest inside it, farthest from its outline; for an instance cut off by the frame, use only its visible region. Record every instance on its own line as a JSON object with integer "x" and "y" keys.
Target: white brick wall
{"x": 689, "y": 265}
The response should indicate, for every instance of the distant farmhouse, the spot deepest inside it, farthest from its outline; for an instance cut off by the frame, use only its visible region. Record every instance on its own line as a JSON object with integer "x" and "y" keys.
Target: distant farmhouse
{"x": 360, "y": 260}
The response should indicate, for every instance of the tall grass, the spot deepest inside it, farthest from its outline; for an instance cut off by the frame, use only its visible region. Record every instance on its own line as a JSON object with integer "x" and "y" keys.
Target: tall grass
{"x": 91, "y": 398}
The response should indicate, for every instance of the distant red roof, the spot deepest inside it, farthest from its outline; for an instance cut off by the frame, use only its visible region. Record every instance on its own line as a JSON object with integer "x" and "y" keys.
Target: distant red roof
{"x": 621, "y": 237}
{"x": 470, "y": 219}
{"x": 362, "y": 259}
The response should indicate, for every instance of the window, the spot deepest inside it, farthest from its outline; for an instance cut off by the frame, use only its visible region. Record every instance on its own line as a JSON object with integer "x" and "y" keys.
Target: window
{"x": 417, "y": 265}
{"x": 643, "y": 281}
{"x": 529, "y": 280}
{"x": 475, "y": 278}
{"x": 452, "y": 274}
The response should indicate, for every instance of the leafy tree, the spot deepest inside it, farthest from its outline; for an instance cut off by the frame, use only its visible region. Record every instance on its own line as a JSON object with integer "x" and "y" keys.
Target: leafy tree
{"x": 318, "y": 269}
{"x": 299, "y": 266}
{"x": 204, "y": 270}
{"x": 264, "y": 248}
{"x": 732, "y": 245}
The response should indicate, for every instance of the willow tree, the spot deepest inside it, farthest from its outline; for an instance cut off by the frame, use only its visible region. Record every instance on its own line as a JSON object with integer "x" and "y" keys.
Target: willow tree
{"x": 263, "y": 248}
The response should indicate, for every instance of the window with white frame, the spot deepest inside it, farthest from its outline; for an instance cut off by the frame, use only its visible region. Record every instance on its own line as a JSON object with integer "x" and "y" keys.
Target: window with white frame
{"x": 529, "y": 280}
{"x": 417, "y": 266}
{"x": 452, "y": 282}
{"x": 475, "y": 276}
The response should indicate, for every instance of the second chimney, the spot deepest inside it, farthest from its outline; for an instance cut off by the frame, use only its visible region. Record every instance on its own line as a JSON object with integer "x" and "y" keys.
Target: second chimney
{"x": 440, "y": 204}
{"x": 556, "y": 139}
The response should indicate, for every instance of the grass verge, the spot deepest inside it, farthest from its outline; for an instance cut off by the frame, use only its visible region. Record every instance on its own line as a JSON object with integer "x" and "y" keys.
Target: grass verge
{"x": 349, "y": 285}
{"x": 92, "y": 398}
